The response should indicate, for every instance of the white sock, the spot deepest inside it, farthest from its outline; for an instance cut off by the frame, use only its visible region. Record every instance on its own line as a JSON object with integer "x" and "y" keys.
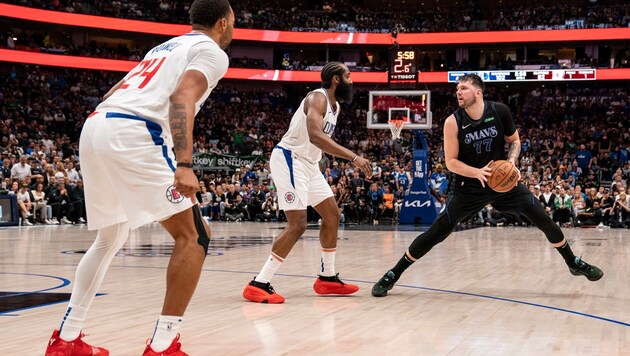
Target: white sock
{"x": 165, "y": 332}
{"x": 72, "y": 323}
{"x": 269, "y": 269}
{"x": 328, "y": 262}
{"x": 89, "y": 275}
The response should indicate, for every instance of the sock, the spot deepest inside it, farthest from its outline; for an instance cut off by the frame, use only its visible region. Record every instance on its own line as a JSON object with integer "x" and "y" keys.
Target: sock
{"x": 166, "y": 331}
{"x": 567, "y": 254}
{"x": 269, "y": 269}
{"x": 72, "y": 323}
{"x": 328, "y": 262}
{"x": 402, "y": 265}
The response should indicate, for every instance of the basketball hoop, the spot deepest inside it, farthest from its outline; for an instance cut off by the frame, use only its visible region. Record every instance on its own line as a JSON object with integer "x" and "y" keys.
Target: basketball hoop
{"x": 396, "y": 126}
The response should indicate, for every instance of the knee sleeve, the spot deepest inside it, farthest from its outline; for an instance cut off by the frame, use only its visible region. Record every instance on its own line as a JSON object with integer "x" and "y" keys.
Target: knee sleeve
{"x": 437, "y": 233}
{"x": 536, "y": 215}
{"x": 202, "y": 235}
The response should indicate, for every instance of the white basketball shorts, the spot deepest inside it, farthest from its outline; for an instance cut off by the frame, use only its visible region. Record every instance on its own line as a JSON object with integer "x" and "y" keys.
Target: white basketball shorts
{"x": 299, "y": 183}
{"x": 128, "y": 171}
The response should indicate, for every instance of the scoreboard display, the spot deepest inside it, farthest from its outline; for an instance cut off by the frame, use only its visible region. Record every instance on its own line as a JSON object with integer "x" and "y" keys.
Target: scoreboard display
{"x": 403, "y": 65}
{"x": 523, "y": 75}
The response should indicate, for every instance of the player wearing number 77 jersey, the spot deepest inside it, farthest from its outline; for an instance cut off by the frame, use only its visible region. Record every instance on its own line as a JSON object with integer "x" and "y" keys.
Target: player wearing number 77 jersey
{"x": 132, "y": 178}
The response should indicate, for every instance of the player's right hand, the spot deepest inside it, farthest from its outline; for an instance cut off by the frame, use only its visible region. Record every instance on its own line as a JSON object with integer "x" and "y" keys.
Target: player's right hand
{"x": 364, "y": 165}
{"x": 483, "y": 173}
{"x": 186, "y": 183}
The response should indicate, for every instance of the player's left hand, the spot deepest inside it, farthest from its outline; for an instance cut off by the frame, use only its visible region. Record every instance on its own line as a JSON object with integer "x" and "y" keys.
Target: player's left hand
{"x": 186, "y": 183}
{"x": 517, "y": 170}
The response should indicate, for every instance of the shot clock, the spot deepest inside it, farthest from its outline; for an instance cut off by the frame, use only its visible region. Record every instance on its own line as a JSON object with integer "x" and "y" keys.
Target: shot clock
{"x": 403, "y": 66}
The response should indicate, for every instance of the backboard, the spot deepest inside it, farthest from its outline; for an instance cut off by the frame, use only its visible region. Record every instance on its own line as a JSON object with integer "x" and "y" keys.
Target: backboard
{"x": 413, "y": 106}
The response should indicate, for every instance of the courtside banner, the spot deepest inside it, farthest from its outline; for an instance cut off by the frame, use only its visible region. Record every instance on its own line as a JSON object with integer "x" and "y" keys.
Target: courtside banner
{"x": 211, "y": 161}
{"x": 331, "y": 38}
{"x": 59, "y": 60}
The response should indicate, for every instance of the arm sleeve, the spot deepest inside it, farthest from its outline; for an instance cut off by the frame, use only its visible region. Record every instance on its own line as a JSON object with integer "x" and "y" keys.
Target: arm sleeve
{"x": 210, "y": 60}
{"x": 505, "y": 115}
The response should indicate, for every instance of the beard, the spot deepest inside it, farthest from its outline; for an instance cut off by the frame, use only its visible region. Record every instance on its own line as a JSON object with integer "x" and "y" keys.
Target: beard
{"x": 226, "y": 39}
{"x": 467, "y": 103}
{"x": 343, "y": 92}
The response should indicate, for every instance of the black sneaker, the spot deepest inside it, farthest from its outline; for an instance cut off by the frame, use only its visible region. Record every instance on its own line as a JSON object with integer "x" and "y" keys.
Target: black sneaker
{"x": 591, "y": 272}
{"x": 384, "y": 284}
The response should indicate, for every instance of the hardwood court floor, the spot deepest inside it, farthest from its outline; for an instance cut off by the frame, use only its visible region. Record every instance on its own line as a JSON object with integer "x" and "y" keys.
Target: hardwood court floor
{"x": 486, "y": 291}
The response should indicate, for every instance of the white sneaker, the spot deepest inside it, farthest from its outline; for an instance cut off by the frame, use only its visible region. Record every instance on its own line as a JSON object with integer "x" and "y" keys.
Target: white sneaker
{"x": 54, "y": 221}
{"x": 82, "y": 220}
{"x": 64, "y": 220}
{"x": 26, "y": 223}
{"x": 49, "y": 222}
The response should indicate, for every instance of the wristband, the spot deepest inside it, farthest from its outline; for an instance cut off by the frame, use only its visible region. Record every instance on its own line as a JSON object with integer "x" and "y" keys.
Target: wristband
{"x": 184, "y": 164}
{"x": 355, "y": 158}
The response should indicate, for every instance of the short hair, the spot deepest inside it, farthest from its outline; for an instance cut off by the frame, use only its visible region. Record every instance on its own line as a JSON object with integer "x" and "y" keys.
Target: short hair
{"x": 208, "y": 12}
{"x": 329, "y": 71}
{"x": 474, "y": 79}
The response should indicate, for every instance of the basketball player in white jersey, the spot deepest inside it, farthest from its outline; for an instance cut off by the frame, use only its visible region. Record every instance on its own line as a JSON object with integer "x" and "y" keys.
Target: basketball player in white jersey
{"x": 132, "y": 177}
{"x": 295, "y": 172}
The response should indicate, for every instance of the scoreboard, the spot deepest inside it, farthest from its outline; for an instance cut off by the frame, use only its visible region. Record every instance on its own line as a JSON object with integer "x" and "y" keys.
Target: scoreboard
{"x": 522, "y": 75}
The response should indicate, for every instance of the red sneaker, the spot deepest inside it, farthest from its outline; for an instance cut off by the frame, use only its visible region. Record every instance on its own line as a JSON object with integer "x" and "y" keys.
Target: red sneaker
{"x": 333, "y": 285}
{"x": 173, "y": 350}
{"x": 262, "y": 293}
{"x": 77, "y": 347}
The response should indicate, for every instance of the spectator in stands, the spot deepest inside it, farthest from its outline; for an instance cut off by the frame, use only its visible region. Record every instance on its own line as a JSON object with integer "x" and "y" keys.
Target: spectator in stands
{"x": 77, "y": 198}
{"x": 563, "y": 208}
{"x": 22, "y": 169}
{"x": 61, "y": 204}
{"x": 438, "y": 178}
{"x": 6, "y": 168}
{"x": 39, "y": 201}
{"x": 24, "y": 204}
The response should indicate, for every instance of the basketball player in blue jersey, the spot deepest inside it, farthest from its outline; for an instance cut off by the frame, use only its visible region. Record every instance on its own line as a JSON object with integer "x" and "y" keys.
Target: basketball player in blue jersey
{"x": 475, "y": 136}
{"x": 295, "y": 171}
{"x": 136, "y": 154}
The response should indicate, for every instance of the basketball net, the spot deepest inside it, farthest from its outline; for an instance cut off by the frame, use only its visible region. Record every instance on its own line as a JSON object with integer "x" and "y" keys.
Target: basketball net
{"x": 396, "y": 126}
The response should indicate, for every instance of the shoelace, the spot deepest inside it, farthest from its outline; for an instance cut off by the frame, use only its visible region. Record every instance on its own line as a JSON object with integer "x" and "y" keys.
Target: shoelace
{"x": 338, "y": 280}
{"x": 270, "y": 288}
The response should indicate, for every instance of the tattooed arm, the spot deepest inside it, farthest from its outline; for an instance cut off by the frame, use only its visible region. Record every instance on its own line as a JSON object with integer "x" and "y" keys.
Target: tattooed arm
{"x": 515, "y": 148}
{"x": 181, "y": 117}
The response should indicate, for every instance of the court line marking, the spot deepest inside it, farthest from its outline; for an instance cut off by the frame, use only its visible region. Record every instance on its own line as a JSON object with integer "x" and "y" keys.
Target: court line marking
{"x": 515, "y": 301}
{"x": 11, "y": 312}
{"x": 64, "y": 283}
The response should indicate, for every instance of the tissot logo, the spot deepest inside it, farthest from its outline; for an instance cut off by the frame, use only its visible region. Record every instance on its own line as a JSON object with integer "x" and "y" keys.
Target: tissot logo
{"x": 478, "y": 135}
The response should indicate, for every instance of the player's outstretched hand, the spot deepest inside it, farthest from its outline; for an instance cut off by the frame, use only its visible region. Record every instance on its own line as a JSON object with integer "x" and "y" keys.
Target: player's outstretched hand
{"x": 483, "y": 173}
{"x": 186, "y": 183}
{"x": 364, "y": 165}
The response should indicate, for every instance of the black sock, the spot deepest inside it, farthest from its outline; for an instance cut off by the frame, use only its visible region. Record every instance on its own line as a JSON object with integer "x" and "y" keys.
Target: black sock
{"x": 402, "y": 265}
{"x": 567, "y": 254}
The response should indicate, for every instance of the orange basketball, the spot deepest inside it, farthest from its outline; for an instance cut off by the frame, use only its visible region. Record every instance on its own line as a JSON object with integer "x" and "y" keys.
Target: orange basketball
{"x": 504, "y": 176}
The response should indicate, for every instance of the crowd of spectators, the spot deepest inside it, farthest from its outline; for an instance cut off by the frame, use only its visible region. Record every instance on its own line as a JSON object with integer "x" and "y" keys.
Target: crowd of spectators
{"x": 574, "y": 145}
{"x": 344, "y": 16}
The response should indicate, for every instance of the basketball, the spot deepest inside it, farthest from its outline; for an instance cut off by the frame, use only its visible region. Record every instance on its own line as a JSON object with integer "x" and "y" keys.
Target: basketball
{"x": 504, "y": 176}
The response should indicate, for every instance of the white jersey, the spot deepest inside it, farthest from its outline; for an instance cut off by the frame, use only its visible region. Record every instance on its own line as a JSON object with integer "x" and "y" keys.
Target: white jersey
{"x": 296, "y": 138}
{"x": 149, "y": 85}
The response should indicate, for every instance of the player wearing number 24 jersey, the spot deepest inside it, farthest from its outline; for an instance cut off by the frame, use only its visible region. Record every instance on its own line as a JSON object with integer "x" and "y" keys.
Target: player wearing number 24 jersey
{"x": 136, "y": 157}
